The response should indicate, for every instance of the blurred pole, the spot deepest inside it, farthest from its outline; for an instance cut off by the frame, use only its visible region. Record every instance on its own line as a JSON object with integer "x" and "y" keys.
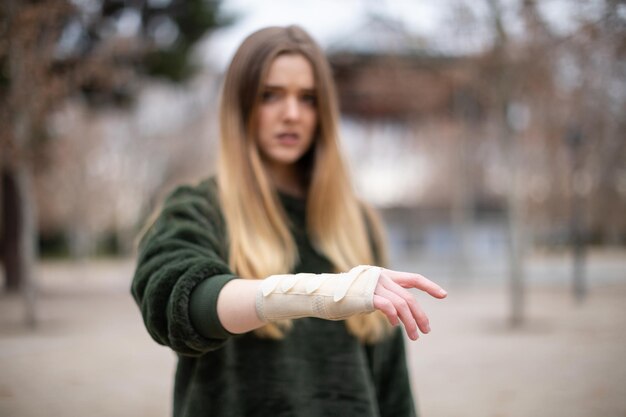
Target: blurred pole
{"x": 465, "y": 112}
{"x": 574, "y": 139}
{"x": 515, "y": 121}
{"x": 516, "y": 269}
{"x": 27, "y": 243}
{"x": 509, "y": 119}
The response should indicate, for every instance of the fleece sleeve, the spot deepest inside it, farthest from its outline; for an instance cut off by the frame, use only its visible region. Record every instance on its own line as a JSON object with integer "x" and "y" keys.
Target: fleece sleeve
{"x": 184, "y": 250}
{"x": 387, "y": 361}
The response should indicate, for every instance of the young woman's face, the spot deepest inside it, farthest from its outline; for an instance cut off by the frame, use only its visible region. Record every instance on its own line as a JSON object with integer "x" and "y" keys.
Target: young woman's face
{"x": 287, "y": 115}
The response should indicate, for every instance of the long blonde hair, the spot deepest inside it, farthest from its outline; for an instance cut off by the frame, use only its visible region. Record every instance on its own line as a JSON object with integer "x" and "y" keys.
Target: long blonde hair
{"x": 260, "y": 243}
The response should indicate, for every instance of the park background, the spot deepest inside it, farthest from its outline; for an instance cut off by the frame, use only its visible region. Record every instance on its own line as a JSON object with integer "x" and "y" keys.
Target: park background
{"x": 490, "y": 134}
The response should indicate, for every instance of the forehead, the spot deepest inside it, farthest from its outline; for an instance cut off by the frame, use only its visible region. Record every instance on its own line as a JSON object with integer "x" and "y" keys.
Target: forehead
{"x": 291, "y": 70}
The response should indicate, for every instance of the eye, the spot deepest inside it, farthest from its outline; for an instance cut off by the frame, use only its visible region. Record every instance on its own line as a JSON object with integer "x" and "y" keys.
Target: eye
{"x": 310, "y": 99}
{"x": 269, "y": 96}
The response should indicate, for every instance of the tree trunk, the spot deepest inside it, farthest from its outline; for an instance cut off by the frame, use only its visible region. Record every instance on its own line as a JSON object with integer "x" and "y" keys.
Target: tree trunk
{"x": 514, "y": 205}
{"x": 21, "y": 247}
{"x": 10, "y": 233}
{"x": 19, "y": 236}
{"x": 27, "y": 242}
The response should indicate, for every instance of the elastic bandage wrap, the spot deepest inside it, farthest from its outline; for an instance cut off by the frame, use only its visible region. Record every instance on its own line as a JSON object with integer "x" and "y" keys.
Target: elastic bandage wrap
{"x": 326, "y": 296}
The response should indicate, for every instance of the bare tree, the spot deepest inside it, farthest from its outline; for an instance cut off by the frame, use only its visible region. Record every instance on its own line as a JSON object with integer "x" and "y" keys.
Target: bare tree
{"x": 51, "y": 51}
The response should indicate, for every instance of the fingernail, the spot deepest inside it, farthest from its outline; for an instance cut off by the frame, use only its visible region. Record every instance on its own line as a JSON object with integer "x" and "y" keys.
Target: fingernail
{"x": 428, "y": 328}
{"x": 443, "y": 292}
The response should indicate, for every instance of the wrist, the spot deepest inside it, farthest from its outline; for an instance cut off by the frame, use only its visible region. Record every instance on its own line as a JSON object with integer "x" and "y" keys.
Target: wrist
{"x": 326, "y": 296}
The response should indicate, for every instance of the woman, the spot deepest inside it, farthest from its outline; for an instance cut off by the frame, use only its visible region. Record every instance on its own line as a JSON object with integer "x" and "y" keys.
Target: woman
{"x": 260, "y": 279}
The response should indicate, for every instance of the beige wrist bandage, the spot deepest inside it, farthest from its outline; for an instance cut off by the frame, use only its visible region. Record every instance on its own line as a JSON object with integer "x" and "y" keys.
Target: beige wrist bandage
{"x": 326, "y": 296}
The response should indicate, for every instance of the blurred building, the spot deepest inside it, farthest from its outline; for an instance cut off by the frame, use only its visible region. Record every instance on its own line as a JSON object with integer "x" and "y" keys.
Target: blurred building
{"x": 441, "y": 141}
{"x": 412, "y": 118}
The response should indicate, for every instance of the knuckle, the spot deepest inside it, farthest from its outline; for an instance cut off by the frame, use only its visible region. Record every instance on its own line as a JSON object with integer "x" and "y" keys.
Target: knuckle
{"x": 387, "y": 307}
{"x": 422, "y": 318}
{"x": 410, "y": 328}
{"x": 408, "y": 297}
{"x": 386, "y": 303}
{"x": 403, "y": 305}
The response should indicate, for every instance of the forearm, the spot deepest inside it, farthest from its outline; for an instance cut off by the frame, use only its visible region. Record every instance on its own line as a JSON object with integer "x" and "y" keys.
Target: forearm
{"x": 236, "y": 307}
{"x": 245, "y": 305}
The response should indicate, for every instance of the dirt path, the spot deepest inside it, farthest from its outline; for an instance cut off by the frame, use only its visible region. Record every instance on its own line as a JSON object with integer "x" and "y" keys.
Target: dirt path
{"x": 91, "y": 356}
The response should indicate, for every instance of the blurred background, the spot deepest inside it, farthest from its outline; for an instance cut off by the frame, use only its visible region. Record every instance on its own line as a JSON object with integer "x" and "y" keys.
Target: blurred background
{"x": 490, "y": 134}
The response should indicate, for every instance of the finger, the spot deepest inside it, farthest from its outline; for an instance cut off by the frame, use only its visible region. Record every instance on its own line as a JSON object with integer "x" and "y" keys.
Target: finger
{"x": 404, "y": 312}
{"x": 386, "y": 306}
{"x": 416, "y": 310}
{"x": 410, "y": 280}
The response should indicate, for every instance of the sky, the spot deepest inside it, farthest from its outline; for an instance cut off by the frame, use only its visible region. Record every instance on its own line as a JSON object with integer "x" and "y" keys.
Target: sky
{"x": 328, "y": 21}
{"x": 325, "y": 20}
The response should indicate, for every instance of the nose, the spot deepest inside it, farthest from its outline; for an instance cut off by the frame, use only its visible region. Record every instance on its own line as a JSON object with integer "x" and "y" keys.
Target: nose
{"x": 292, "y": 108}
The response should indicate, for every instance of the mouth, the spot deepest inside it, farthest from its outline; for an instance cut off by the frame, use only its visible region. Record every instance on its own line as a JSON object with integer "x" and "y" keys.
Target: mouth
{"x": 288, "y": 138}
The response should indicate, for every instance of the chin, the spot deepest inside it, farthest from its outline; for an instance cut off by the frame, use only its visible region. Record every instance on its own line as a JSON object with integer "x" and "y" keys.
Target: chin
{"x": 287, "y": 158}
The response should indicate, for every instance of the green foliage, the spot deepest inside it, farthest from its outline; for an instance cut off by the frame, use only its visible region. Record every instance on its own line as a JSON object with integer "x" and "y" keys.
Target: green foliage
{"x": 193, "y": 18}
{"x": 173, "y": 64}
{"x": 119, "y": 43}
{"x": 108, "y": 246}
{"x": 196, "y": 18}
{"x": 53, "y": 245}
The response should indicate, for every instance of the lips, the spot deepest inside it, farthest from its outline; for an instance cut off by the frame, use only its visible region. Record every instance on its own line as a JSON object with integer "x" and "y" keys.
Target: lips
{"x": 288, "y": 138}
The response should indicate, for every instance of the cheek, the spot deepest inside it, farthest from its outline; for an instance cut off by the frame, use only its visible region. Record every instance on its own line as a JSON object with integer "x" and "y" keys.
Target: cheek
{"x": 264, "y": 122}
{"x": 312, "y": 120}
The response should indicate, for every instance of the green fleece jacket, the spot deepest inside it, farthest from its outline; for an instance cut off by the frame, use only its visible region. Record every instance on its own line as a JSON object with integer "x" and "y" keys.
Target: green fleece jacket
{"x": 317, "y": 370}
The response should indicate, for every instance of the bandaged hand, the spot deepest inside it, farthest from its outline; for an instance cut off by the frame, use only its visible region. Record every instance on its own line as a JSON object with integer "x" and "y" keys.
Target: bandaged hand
{"x": 326, "y": 296}
{"x": 338, "y": 296}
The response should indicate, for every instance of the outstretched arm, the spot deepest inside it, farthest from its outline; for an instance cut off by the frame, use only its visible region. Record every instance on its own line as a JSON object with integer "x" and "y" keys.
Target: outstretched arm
{"x": 244, "y": 305}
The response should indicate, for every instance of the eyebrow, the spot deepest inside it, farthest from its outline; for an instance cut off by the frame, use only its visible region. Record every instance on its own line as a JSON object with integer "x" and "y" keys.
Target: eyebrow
{"x": 278, "y": 87}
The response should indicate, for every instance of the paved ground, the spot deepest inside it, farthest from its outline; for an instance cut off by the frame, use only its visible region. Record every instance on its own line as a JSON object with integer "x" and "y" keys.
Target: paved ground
{"x": 90, "y": 355}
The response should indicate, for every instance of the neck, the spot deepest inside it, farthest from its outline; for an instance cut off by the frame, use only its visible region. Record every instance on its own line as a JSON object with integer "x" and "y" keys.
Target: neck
{"x": 287, "y": 179}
